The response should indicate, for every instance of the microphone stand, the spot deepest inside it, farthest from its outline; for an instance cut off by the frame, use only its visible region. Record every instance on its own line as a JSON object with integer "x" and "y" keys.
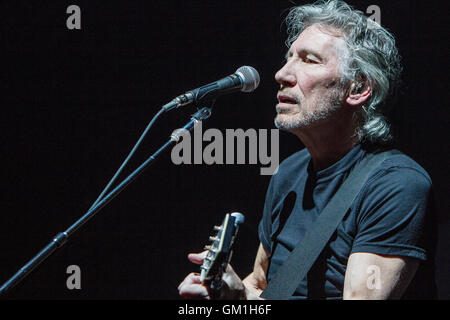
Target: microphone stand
{"x": 61, "y": 238}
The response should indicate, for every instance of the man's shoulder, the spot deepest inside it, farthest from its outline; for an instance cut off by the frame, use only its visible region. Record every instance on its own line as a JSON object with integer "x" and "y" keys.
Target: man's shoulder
{"x": 402, "y": 168}
{"x": 397, "y": 178}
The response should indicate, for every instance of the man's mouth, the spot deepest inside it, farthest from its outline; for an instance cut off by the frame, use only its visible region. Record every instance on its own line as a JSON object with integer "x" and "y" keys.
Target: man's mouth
{"x": 286, "y": 99}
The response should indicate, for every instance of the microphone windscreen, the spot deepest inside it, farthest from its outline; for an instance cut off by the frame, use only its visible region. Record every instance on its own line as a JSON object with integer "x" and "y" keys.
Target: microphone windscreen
{"x": 250, "y": 77}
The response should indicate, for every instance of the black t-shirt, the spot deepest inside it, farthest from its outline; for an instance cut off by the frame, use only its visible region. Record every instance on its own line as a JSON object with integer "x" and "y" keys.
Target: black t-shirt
{"x": 392, "y": 215}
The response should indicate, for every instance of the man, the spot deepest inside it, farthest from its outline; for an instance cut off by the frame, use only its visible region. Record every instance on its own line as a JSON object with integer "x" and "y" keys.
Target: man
{"x": 339, "y": 70}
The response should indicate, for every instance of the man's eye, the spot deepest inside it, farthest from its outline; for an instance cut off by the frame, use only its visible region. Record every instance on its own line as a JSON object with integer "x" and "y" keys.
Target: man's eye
{"x": 307, "y": 60}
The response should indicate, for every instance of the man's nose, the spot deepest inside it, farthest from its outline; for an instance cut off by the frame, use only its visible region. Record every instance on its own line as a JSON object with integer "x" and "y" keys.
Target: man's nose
{"x": 285, "y": 76}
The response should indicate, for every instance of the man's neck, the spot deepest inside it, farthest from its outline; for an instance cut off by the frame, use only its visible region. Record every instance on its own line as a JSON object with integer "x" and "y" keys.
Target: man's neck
{"x": 329, "y": 143}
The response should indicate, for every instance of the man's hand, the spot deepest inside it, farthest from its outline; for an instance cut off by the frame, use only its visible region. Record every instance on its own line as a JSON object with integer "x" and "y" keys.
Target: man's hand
{"x": 191, "y": 287}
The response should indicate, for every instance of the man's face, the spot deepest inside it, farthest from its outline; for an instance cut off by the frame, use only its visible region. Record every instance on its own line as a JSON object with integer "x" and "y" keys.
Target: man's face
{"x": 311, "y": 90}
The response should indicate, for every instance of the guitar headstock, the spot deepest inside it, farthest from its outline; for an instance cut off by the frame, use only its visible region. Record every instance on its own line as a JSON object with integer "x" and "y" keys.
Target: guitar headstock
{"x": 220, "y": 250}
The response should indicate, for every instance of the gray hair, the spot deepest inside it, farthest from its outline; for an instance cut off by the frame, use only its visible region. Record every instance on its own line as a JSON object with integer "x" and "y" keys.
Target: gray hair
{"x": 371, "y": 58}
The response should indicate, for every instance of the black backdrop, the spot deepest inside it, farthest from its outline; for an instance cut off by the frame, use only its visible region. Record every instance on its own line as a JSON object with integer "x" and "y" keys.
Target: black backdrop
{"x": 75, "y": 101}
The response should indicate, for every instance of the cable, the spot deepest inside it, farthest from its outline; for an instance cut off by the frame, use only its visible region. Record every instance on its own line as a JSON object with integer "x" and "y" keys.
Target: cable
{"x": 127, "y": 158}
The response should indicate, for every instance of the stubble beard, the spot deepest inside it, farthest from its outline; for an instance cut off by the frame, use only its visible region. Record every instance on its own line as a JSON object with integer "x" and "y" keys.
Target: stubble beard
{"x": 324, "y": 108}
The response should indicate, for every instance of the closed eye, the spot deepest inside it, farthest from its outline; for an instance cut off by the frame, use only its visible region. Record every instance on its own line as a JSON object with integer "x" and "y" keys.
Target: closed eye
{"x": 307, "y": 60}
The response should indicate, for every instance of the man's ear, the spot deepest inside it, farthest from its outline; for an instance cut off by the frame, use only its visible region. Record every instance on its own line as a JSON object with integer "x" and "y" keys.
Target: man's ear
{"x": 358, "y": 93}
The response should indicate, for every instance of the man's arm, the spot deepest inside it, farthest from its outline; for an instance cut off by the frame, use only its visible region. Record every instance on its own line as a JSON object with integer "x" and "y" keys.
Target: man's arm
{"x": 256, "y": 281}
{"x": 377, "y": 277}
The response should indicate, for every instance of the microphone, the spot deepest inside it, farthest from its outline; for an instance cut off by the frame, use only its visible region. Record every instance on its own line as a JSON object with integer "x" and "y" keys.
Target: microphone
{"x": 245, "y": 79}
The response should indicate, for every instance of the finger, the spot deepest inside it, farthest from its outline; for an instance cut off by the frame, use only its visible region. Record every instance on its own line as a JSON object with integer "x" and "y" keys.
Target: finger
{"x": 230, "y": 275}
{"x": 191, "y": 287}
{"x": 192, "y": 278}
{"x": 229, "y": 268}
{"x": 230, "y": 271}
{"x": 194, "y": 291}
{"x": 197, "y": 258}
{"x": 233, "y": 282}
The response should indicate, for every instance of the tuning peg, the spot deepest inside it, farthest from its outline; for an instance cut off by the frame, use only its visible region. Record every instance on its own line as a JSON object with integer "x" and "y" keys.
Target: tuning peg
{"x": 212, "y": 239}
{"x": 217, "y": 228}
{"x": 210, "y": 249}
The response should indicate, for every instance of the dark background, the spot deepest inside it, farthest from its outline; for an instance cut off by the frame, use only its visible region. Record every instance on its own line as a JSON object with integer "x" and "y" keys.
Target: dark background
{"x": 75, "y": 101}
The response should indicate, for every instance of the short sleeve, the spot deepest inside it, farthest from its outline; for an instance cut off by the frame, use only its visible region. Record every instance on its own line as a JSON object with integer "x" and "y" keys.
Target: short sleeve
{"x": 391, "y": 217}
